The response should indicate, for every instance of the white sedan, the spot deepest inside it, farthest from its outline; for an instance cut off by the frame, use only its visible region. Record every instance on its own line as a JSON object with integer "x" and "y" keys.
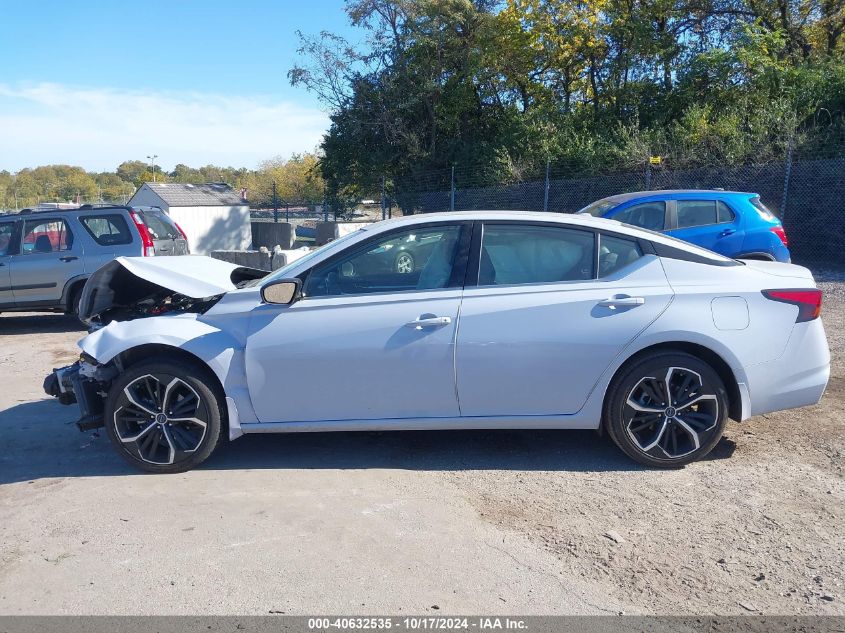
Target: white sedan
{"x": 506, "y": 320}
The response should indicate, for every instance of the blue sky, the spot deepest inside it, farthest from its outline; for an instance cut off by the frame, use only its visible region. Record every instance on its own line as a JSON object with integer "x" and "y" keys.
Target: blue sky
{"x": 93, "y": 82}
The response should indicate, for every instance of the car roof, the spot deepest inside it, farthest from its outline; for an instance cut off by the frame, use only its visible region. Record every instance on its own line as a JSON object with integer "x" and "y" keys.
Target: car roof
{"x": 23, "y": 213}
{"x": 572, "y": 219}
{"x": 657, "y": 194}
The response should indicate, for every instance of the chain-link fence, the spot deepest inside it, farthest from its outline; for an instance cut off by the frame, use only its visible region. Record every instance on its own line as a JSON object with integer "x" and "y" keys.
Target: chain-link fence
{"x": 805, "y": 189}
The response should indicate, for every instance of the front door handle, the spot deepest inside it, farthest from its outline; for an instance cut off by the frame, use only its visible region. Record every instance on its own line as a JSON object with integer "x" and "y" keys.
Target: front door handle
{"x": 621, "y": 301}
{"x": 68, "y": 258}
{"x": 429, "y": 320}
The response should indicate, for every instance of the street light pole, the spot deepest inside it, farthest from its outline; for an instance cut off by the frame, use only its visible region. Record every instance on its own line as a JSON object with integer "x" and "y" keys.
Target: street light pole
{"x": 153, "y": 165}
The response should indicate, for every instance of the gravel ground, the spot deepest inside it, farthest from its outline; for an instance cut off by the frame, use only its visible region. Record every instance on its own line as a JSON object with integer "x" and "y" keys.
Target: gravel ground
{"x": 513, "y": 522}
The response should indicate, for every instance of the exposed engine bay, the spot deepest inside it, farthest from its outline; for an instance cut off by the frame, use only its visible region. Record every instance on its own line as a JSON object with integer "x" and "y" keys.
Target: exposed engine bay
{"x": 126, "y": 288}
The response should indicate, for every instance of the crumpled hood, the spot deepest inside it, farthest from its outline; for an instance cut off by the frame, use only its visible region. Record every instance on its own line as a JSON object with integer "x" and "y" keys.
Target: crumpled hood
{"x": 126, "y": 280}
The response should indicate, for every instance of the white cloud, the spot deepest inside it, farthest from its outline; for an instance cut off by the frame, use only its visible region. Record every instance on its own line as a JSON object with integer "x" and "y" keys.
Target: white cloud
{"x": 100, "y": 128}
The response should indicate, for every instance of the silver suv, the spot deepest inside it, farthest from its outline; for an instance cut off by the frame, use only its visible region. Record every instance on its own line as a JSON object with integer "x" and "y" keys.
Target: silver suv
{"x": 46, "y": 256}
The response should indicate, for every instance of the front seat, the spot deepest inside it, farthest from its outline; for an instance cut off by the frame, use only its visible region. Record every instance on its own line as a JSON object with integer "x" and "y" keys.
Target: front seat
{"x": 438, "y": 268}
{"x": 43, "y": 244}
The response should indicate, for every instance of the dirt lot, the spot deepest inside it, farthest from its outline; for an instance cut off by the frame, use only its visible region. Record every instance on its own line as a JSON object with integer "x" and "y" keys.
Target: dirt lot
{"x": 506, "y": 522}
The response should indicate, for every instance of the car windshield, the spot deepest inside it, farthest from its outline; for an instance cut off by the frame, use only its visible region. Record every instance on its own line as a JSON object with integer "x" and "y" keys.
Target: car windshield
{"x": 598, "y": 208}
{"x": 284, "y": 271}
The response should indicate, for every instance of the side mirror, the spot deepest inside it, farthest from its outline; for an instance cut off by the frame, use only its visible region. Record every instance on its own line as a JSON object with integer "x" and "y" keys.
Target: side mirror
{"x": 282, "y": 291}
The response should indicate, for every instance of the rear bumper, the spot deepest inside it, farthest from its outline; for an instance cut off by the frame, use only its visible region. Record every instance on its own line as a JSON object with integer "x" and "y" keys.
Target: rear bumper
{"x": 798, "y": 378}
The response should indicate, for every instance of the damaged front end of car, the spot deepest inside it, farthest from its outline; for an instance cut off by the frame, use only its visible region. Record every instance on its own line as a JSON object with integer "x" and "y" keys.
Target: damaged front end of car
{"x": 127, "y": 289}
{"x": 84, "y": 383}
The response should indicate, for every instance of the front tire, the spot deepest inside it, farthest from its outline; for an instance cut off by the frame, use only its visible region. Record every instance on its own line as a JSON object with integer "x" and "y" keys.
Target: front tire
{"x": 163, "y": 417}
{"x": 666, "y": 409}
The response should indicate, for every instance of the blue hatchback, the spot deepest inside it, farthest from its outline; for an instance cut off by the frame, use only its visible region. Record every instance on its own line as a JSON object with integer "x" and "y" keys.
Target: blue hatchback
{"x": 732, "y": 223}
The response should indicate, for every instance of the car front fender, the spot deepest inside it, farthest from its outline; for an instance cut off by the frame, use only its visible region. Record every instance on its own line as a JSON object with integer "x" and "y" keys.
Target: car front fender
{"x": 221, "y": 351}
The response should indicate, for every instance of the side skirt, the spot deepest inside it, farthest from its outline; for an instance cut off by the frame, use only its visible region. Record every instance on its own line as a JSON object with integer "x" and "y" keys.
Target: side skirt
{"x": 426, "y": 424}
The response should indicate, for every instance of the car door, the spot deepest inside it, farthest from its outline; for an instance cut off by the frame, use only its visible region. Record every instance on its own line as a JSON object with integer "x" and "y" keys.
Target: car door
{"x": 8, "y": 245}
{"x": 49, "y": 257}
{"x": 108, "y": 236}
{"x": 367, "y": 340}
{"x": 708, "y": 223}
{"x": 551, "y": 309}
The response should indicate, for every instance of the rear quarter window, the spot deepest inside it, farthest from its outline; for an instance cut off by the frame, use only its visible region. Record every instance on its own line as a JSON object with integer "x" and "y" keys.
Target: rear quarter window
{"x": 107, "y": 230}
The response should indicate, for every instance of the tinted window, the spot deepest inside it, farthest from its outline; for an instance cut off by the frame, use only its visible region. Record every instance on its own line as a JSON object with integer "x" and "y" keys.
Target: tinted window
{"x": 161, "y": 227}
{"x": 6, "y": 231}
{"x": 646, "y": 215}
{"x": 416, "y": 259}
{"x": 515, "y": 254}
{"x": 762, "y": 209}
{"x": 615, "y": 253}
{"x": 725, "y": 213}
{"x": 46, "y": 236}
{"x": 696, "y": 213}
{"x": 107, "y": 230}
{"x": 599, "y": 207}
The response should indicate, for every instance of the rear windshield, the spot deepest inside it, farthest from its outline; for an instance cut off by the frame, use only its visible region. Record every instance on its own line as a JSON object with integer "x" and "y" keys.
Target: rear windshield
{"x": 762, "y": 209}
{"x": 598, "y": 208}
{"x": 160, "y": 225}
{"x": 107, "y": 230}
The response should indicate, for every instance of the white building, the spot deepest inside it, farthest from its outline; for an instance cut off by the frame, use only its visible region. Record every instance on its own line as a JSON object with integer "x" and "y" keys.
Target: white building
{"x": 213, "y": 216}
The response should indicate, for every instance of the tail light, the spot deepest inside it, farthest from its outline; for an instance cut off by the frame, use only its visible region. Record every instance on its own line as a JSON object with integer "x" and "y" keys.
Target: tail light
{"x": 778, "y": 230}
{"x": 809, "y": 301}
{"x": 146, "y": 239}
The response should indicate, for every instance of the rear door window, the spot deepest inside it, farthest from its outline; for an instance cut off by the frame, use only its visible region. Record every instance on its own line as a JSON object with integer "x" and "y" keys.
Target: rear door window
{"x": 525, "y": 254}
{"x": 107, "y": 230}
{"x": 161, "y": 227}
{"x": 46, "y": 236}
{"x": 646, "y": 215}
{"x": 697, "y": 213}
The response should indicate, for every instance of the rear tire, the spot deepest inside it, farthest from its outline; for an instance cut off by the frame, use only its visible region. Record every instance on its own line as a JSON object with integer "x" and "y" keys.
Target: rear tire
{"x": 666, "y": 409}
{"x": 163, "y": 417}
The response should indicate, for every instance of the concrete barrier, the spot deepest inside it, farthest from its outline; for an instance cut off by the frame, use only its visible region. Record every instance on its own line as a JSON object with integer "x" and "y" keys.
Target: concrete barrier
{"x": 328, "y": 231}
{"x": 261, "y": 260}
{"x": 285, "y": 257}
{"x": 270, "y": 234}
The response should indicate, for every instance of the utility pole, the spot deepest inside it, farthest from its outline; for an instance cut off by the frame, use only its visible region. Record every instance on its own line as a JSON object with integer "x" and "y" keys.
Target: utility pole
{"x": 153, "y": 165}
{"x": 383, "y": 205}
{"x": 452, "y": 192}
{"x": 546, "y": 192}
{"x": 275, "y": 204}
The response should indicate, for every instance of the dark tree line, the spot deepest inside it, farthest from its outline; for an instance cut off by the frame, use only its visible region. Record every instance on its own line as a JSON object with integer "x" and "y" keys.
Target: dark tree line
{"x": 592, "y": 84}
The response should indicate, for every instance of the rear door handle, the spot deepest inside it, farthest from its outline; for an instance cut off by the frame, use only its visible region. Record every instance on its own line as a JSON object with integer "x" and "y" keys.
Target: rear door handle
{"x": 68, "y": 258}
{"x": 621, "y": 302}
{"x": 727, "y": 232}
{"x": 429, "y": 320}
